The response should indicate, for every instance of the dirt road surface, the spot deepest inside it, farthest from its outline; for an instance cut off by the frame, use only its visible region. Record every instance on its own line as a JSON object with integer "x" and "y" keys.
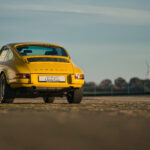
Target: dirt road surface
{"x": 98, "y": 123}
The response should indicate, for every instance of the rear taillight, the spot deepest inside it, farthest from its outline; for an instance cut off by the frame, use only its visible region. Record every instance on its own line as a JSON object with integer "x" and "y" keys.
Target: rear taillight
{"x": 23, "y": 76}
{"x": 79, "y": 76}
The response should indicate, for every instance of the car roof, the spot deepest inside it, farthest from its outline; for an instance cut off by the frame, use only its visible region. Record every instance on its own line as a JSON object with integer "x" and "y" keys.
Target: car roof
{"x": 30, "y": 43}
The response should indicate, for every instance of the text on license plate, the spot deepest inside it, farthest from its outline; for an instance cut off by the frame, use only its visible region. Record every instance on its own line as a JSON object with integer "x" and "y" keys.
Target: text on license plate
{"x": 52, "y": 79}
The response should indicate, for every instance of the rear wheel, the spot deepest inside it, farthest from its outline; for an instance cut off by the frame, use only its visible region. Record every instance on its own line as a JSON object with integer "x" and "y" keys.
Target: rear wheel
{"x": 48, "y": 99}
{"x": 7, "y": 94}
{"x": 75, "y": 97}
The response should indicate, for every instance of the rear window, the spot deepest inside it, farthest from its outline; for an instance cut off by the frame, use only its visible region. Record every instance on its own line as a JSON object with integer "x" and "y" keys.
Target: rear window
{"x": 41, "y": 50}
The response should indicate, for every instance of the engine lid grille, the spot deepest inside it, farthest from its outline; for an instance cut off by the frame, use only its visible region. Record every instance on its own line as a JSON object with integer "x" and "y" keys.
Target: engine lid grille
{"x": 47, "y": 59}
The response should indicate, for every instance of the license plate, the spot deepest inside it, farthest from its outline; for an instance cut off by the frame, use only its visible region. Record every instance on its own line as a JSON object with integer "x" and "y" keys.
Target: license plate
{"x": 52, "y": 79}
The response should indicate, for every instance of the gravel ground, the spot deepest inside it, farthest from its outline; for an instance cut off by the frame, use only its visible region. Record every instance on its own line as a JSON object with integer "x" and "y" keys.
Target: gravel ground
{"x": 97, "y": 123}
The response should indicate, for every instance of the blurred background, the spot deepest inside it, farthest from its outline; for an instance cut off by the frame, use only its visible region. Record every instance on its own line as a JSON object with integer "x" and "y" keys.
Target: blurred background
{"x": 109, "y": 40}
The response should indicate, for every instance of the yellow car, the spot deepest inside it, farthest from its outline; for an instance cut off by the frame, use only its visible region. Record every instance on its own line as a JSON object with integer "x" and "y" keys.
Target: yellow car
{"x": 38, "y": 70}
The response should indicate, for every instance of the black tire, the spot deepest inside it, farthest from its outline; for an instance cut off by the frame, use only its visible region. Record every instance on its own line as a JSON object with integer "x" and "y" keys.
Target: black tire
{"x": 48, "y": 99}
{"x": 75, "y": 97}
{"x": 7, "y": 94}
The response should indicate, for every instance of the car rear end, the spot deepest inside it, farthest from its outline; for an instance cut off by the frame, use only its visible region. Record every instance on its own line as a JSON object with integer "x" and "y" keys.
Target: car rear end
{"x": 46, "y": 74}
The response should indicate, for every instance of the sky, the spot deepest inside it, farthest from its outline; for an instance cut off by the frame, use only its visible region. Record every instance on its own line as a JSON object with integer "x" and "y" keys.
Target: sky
{"x": 105, "y": 38}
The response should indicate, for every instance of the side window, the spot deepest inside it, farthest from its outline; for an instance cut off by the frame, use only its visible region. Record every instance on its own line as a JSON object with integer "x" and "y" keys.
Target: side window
{"x": 3, "y": 53}
{"x": 10, "y": 56}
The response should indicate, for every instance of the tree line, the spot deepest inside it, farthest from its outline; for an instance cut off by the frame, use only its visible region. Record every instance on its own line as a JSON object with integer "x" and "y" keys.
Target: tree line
{"x": 120, "y": 85}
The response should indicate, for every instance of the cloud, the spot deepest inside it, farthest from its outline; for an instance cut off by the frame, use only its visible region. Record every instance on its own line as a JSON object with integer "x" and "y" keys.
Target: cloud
{"x": 117, "y": 15}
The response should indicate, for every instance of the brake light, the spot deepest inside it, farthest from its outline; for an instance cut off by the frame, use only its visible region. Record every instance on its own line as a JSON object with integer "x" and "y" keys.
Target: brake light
{"x": 79, "y": 76}
{"x": 23, "y": 76}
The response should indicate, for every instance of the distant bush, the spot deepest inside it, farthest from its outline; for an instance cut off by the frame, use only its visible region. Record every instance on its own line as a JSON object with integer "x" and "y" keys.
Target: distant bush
{"x": 120, "y": 85}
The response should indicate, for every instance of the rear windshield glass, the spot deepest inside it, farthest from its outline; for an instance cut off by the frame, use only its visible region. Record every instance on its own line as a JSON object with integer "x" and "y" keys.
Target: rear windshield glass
{"x": 41, "y": 50}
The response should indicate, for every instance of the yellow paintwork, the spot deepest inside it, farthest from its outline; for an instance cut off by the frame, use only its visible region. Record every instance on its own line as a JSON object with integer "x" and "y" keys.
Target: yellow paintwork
{"x": 19, "y": 64}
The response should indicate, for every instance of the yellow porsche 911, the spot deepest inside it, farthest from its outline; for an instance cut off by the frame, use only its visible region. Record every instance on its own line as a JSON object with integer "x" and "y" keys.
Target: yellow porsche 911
{"x": 38, "y": 70}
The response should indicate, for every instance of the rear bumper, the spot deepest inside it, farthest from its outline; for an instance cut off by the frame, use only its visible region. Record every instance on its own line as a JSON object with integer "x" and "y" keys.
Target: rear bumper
{"x": 30, "y": 92}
